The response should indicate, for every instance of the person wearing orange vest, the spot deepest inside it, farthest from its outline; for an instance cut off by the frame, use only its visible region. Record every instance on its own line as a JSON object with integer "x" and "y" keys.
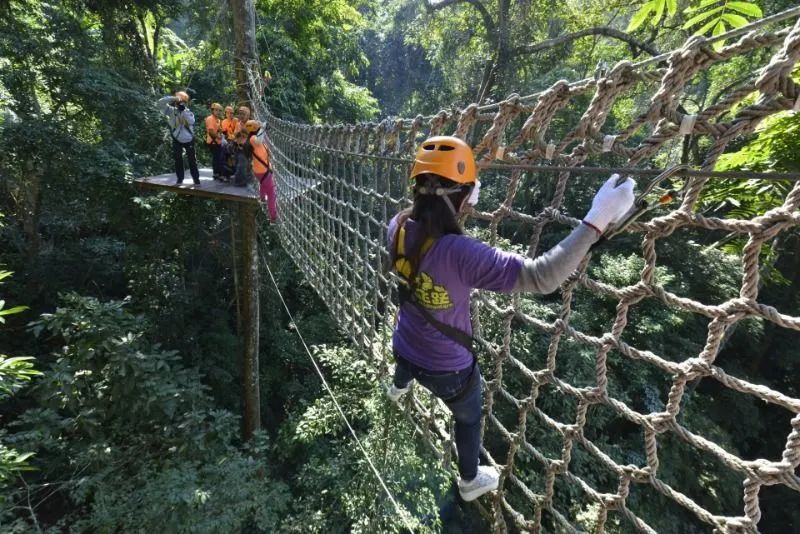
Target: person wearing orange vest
{"x": 244, "y": 116}
{"x": 214, "y": 139}
{"x": 229, "y": 123}
{"x": 261, "y": 168}
{"x": 241, "y": 157}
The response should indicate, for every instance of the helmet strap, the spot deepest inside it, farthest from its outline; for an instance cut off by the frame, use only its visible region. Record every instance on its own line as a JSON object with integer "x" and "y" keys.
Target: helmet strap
{"x": 435, "y": 189}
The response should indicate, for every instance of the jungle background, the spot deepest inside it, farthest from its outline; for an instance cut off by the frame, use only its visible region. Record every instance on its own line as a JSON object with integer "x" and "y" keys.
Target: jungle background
{"x": 119, "y": 374}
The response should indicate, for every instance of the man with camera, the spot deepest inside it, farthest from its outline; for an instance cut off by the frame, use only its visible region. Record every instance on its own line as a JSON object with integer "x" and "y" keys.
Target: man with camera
{"x": 181, "y": 124}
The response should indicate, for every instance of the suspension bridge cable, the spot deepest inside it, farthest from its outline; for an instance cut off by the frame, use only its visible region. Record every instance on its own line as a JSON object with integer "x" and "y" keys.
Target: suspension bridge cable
{"x": 503, "y": 166}
{"x": 400, "y": 511}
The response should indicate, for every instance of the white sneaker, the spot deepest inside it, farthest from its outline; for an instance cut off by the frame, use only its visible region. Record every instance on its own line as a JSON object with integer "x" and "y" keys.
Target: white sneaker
{"x": 395, "y": 393}
{"x": 484, "y": 482}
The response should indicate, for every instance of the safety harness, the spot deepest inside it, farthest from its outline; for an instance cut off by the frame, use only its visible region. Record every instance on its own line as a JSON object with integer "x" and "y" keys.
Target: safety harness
{"x": 252, "y": 152}
{"x": 406, "y": 267}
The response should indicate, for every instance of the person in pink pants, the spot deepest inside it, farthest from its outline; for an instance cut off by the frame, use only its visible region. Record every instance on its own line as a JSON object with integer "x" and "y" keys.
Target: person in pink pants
{"x": 261, "y": 168}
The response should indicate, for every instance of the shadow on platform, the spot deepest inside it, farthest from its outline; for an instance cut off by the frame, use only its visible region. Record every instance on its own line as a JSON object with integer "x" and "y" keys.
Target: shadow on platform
{"x": 208, "y": 187}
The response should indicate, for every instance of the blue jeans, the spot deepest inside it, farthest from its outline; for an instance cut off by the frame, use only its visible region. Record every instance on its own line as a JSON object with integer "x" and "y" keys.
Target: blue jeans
{"x": 462, "y": 394}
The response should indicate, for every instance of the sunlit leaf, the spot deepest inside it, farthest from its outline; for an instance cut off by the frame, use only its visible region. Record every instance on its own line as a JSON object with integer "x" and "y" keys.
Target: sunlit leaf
{"x": 736, "y": 21}
{"x": 659, "y": 5}
{"x": 15, "y": 309}
{"x": 746, "y": 8}
{"x": 672, "y": 7}
{"x": 706, "y": 27}
{"x": 701, "y": 17}
{"x": 640, "y": 16}
{"x": 719, "y": 29}
{"x": 701, "y": 5}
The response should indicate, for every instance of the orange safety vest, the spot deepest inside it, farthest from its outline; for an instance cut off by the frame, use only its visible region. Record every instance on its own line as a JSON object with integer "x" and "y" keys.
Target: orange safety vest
{"x": 260, "y": 156}
{"x": 229, "y": 126}
{"x": 212, "y": 129}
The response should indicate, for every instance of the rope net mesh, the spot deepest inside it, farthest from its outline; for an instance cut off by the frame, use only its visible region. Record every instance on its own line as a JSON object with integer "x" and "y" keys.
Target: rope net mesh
{"x": 340, "y": 184}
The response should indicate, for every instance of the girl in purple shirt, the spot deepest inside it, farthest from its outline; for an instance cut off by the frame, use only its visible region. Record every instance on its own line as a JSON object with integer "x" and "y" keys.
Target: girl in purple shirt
{"x": 438, "y": 266}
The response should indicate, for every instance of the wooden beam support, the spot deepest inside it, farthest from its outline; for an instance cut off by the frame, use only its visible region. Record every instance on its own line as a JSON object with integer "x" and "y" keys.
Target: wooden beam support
{"x": 250, "y": 320}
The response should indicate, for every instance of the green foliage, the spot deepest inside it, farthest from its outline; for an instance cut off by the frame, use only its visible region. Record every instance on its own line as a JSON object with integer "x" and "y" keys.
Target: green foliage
{"x": 336, "y": 488}
{"x": 707, "y": 16}
{"x": 773, "y": 148}
{"x": 654, "y": 8}
{"x": 11, "y": 463}
{"x": 14, "y": 373}
{"x": 717, "y": 19}
{"x": 231, "y": 492}
{"x": 129, "y": 435}
{"x": 312, "y": 50}
{"x": 8, "y": 311}
{"x": 146, "y": 444}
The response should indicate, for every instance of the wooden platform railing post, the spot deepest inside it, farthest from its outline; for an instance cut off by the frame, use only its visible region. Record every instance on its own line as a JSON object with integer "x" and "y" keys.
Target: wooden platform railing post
{"x": 250, "y": 320}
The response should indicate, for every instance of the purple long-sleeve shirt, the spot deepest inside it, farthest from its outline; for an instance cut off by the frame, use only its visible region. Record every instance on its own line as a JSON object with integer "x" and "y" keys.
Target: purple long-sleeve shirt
{"x": 456, "y": 264}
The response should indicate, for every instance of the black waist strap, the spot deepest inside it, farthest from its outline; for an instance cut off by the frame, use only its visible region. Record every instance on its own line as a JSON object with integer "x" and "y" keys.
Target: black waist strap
{"x": 459, "y": 336}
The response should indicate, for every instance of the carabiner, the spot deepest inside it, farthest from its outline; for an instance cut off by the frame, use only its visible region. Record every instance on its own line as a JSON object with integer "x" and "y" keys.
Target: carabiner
{"x": 641, "y": 204}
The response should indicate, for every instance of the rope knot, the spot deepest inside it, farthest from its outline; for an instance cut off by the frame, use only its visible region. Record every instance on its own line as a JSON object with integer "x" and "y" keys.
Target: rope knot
{"x": 661, "y": 421}
{"x": 694, "y": 368}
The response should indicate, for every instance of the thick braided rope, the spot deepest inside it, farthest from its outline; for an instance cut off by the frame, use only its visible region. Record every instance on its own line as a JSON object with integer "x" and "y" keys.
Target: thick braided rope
{"x": 340, "y": 184}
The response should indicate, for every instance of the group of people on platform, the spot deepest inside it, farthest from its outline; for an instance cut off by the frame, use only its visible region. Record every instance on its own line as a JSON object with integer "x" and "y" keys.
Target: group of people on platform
{"x": 238, "y": 154}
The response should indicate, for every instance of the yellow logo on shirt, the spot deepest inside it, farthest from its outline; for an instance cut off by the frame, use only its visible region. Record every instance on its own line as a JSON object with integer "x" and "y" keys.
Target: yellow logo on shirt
{"x": 430, "y": 295}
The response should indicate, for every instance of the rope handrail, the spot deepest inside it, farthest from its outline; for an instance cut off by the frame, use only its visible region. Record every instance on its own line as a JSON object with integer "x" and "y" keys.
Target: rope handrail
{"x": 340, "y": 184}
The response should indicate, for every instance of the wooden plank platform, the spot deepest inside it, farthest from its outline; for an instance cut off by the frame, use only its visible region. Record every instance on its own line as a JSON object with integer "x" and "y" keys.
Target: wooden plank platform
{"x": 208, "y": 187}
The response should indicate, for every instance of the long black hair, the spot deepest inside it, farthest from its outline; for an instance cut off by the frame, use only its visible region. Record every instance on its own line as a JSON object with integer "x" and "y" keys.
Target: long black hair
{"x": 431, "y": 211}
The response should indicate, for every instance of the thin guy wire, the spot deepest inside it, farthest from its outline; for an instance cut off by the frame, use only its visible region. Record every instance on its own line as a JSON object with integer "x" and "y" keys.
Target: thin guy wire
{"x": 377, "y": 474}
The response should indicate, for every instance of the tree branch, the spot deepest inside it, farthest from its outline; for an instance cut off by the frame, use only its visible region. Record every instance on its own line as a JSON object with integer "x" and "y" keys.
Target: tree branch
{"x": 143, "y": 24}
{"x": 597, "y": 30}
{"x": 156, "y": 33}
{"x": 488, "y": 21}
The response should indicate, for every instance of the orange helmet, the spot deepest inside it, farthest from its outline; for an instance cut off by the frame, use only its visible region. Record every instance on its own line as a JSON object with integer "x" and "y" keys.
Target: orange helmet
{"x": 252, "y": 126}
{"x": 182, "y": 96}
{"x": 216, "y": 107}
{"x": 448, "y": 157}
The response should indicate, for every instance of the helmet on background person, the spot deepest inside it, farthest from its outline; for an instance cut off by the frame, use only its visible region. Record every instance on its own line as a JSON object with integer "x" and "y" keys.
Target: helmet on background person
{"x": 252, "y": 126}
{"x": 182, "y": 96}
{"x": 448, "y": 157}
{"x": 216, "y": 106}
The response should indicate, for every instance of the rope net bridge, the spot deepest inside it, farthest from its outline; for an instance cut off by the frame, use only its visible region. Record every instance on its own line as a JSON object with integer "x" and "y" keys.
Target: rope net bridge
{"x": 340, "y": 184}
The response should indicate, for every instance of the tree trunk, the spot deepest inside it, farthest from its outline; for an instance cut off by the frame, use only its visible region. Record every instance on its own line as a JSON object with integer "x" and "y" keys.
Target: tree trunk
{"x": 499, "y": 76}
{"x": 244, "y": 32}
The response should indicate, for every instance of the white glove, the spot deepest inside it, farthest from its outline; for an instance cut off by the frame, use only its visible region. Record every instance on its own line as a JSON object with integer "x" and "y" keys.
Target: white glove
{"x": 611, "y": 203}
